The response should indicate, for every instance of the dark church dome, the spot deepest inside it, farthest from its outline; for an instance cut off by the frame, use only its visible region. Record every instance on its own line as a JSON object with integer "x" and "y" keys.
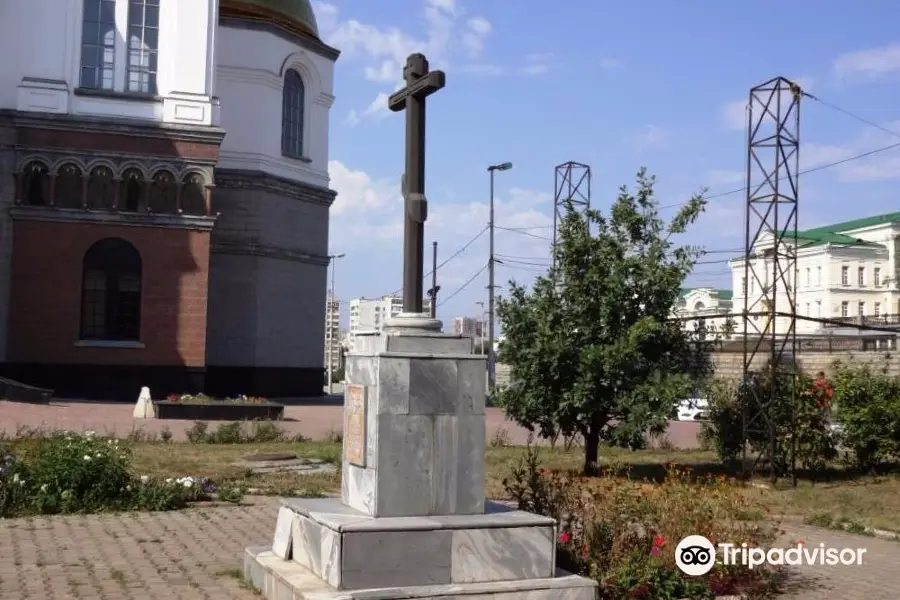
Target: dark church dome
{"x": 294, "y": 15}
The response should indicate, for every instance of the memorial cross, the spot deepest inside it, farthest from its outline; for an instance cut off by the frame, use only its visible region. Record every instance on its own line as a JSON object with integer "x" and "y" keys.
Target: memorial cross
{"x": 420, "y": 83}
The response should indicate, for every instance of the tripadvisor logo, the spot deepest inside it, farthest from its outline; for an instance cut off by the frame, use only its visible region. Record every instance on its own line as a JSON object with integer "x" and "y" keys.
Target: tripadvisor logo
{"x": 695, "y": 555}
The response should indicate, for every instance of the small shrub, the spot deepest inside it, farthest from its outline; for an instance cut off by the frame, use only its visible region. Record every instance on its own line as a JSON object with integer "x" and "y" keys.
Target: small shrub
{"x": 868, "y": 407}
{"x": 501, "y": 438}
{"x": 165, "y": 435}
{"x": 622, "y": 533}
{"x": 197, "y": 433}
{"x": 228, "y": 492}
{"x": 83, "y": 473}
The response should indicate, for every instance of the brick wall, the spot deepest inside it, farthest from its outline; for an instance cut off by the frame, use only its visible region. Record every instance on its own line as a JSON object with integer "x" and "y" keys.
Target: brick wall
{"x": 45, "y": 302}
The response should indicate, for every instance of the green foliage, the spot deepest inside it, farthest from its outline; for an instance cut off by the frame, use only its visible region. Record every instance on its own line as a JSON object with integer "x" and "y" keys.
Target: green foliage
{"x": 82, "y": 473}
{"x": 868, "y": 407}
{"x": 591, "y": 346}
{"x": 802, "y": 409}
{"x": 237, "y": 432}
{"x": 622, "y": 533}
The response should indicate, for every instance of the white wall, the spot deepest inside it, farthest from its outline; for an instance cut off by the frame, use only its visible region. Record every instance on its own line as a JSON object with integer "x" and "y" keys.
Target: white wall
{"x": 40, "y": 41}
{"x": 249, "y": 75}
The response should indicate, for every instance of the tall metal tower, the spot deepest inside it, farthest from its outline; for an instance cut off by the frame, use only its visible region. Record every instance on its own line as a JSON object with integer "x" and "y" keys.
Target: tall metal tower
{"x": 572, "y": 183}
{"x": 770, "y": 265}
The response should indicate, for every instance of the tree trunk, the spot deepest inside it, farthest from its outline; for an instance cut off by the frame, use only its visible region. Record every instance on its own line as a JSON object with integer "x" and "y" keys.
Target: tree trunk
{"x": 591, "y": 450}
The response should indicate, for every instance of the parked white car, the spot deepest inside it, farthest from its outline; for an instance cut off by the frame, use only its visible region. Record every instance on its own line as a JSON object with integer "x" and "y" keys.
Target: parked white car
{"x": 693, "y": 409}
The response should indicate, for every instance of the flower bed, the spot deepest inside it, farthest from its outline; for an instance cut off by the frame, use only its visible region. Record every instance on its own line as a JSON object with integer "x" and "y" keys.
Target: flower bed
{"x": 82, "y": 473}
{"x": 623, "y": 533}
{"x": 200, "y": 407}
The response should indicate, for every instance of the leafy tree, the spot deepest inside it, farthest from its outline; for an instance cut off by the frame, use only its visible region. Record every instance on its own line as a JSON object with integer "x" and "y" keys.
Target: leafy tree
{"x": 592, "y": 347}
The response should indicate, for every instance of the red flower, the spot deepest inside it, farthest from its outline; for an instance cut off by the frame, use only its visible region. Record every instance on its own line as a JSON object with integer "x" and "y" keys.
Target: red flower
{"x": 565, "y": 537}
{"x": 173, "y": 397}
{"x": 659, "y": 541}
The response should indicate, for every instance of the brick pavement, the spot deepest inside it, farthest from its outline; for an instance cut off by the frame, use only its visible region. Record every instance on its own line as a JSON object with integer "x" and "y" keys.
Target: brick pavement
{"x": 195, "y": 554}
{"x": 314, "y": 419}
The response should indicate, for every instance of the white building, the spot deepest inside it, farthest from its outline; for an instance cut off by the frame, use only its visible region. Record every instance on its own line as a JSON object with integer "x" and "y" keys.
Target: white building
{"x": 468, "y": 327}
{"x": 164, "y": 196}
{"x": 369, "y": 314}
{"x": 333, "y": 332}
{"x": 706, "y": 308}
{"x": 846, "y": 272}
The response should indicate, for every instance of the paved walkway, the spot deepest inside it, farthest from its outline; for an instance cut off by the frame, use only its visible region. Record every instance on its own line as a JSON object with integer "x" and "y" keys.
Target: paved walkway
{"x": 196, "y": 554}
{"x": 316, "y": 419}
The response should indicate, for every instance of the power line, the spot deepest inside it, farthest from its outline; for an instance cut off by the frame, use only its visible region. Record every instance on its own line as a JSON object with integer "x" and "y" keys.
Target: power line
{"x": 852, "y": 115}
{"x": 451, "y": 257}
{"x": 520, "y": 232}
{"x": 463, "y": 286}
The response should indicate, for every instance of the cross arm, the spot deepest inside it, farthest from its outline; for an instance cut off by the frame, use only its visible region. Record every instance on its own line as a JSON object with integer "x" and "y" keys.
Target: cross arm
{"x": 420, "y": 88}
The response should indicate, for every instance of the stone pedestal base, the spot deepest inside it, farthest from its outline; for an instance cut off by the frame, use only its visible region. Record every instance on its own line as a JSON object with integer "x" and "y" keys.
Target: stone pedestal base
{"x": 339, "y": 553}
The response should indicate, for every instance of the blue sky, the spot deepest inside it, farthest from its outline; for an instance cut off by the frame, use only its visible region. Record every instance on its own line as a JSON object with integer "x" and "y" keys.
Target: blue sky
{"x": 615, "y": 85}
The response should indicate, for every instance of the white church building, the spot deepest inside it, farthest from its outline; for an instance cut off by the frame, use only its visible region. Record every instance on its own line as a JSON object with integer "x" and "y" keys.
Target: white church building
{"x": 164, "y": 196}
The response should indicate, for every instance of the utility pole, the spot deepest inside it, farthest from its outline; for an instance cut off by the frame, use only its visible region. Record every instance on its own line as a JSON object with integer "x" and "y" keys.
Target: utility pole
{"x": 329, "y": 328}
{"x": 433, "y": 292}
{"x": 492, "y": 379}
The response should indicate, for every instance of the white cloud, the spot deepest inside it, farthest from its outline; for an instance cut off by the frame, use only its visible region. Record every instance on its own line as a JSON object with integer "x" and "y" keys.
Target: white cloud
{"x": 377, "y": 109}
{"x": 382, "y": 51}
{"x": 650, "y": 138}
{"x": 537, "y": 63}
{"x": 477, "y": 29}
{"x": 357, "y": 192}
{"x": 872, "y": 63}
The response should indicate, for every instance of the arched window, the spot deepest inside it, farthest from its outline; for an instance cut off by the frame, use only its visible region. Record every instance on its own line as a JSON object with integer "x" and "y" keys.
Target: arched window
{"x": 101, "y": 188}
{"x": 36, "y": 188}
{"x": 193, "y": 195}
{"x": 111, "y": 292}
{"x": 163, "y": 191}
{"x": 69, "y": 187}
{"x": 292, "y": 115}
{"x": 131, "y": 191}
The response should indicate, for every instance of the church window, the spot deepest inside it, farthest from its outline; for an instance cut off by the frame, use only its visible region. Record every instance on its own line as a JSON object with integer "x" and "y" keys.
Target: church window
{"x": 292, "y": 115}
{"x": 143, "y": 45}
{"x": 98, "y": 39}
{"x": 131, "y": 191}
{"x": 101, "y": 188}
{"x": 163, "y": 192}
{"x": 111, "y": 292}
{"x": 69, "y": 187}
{"x": 193, "y": 195}
{"x": 36, "y": 185}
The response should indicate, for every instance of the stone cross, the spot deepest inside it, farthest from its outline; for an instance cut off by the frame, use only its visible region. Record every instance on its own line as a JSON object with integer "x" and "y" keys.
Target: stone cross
{"x": 420, "y": 83}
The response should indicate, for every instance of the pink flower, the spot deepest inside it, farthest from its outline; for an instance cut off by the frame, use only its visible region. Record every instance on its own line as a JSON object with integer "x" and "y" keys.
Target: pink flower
{"x": 654, "y": 551}
{"x": 565, "y": 537}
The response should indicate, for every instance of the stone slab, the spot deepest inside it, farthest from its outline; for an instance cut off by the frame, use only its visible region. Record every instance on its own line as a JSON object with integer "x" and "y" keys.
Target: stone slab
{"x": 286, "y": 580}
{"x": 333, "y": 514}
{"x": 281, "y": 544}
{"x": 351, "y": 550}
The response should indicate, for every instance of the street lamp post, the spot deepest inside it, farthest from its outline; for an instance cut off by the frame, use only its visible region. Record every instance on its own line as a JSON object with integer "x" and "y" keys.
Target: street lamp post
{"x": 329, "y": 327}
{"x": 491, "y": 371}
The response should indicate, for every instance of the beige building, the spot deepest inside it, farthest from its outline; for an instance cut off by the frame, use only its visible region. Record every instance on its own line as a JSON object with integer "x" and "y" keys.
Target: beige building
{"x": 468, "y": 327}
{"x": 707, "y": 307}
{"x": 369, "y": 314}
{"x": 333, "y": 332}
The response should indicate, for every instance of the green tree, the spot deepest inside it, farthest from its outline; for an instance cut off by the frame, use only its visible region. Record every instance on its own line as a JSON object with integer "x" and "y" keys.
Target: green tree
{"x": 592, "y": 347}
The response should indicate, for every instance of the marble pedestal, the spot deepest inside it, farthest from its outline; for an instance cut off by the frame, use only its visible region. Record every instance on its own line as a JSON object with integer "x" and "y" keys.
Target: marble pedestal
{"x": 412, "y": 521}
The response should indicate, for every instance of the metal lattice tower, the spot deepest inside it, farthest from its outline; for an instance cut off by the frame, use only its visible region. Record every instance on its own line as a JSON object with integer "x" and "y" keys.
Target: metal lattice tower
{"x": 770, "y": 265}
{"x": 572, "y": 183}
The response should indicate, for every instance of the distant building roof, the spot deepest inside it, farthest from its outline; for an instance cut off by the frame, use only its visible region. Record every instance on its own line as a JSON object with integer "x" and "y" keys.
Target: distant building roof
{"x": 723, "y": 294}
